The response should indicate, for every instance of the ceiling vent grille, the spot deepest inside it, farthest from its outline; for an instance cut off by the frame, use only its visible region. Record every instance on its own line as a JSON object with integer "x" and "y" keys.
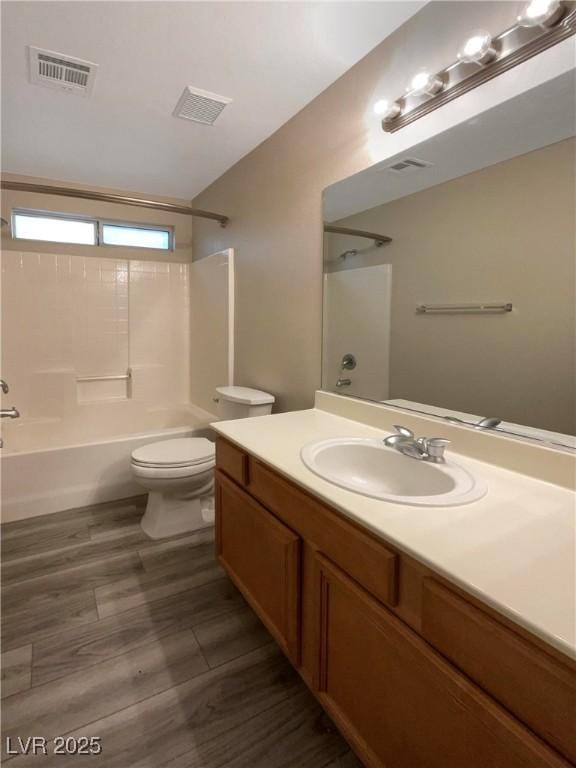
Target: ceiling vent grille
{"x": 200, "y": 106}
{"x": 57, "y": 70}
{"x": 407, "y": 165}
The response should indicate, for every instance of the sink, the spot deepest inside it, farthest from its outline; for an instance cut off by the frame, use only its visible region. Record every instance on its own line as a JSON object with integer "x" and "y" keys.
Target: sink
{"x": 367, "y": 466}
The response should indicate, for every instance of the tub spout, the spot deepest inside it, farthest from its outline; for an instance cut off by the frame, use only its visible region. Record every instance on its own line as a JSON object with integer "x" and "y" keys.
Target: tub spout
{"x": 9, "y": 413}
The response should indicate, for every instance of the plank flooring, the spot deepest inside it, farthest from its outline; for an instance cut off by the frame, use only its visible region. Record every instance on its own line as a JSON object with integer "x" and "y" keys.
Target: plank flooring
{"x": 147, "y": 645}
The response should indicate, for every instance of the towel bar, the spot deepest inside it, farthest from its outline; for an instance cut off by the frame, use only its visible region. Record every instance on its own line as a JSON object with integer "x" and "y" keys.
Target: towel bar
{"x": 120, "y": 377}
{"x": 487, "y": 307}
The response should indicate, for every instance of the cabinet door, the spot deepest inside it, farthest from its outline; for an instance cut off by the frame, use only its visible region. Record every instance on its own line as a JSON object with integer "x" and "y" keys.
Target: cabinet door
{"x": 262, "y": 557}
{"x": 397, "y": 701}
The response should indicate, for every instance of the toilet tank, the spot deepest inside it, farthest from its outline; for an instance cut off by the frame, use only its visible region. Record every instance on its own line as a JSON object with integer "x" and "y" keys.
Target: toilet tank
{"x": 242, "y": 402}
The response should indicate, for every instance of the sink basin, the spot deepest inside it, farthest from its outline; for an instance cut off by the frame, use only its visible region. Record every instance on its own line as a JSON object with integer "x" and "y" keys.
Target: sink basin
{"x": 367, "y": 466}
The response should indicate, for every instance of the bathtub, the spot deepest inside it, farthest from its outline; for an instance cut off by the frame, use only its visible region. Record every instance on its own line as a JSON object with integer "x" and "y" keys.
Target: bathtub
{"x": 46, "y": 470}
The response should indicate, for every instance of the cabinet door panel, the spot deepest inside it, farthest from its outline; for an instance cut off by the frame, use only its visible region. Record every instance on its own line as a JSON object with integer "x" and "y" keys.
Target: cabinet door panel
{"x": 262, "y": 556}
{"x": 368, "y": 561}
{"x": 530, "y": 683}
{"x": 399, "y": 703}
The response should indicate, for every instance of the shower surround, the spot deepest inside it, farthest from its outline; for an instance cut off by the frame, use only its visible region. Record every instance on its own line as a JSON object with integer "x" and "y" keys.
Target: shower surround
{"x": 70, "y": 318}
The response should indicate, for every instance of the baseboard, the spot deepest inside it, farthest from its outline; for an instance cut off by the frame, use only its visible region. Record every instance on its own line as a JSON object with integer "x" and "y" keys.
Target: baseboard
{"x": 65, "y": 498}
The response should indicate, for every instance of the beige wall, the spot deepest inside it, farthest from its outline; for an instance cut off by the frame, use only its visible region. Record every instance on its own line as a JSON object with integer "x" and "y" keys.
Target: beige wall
{"x": 505, "y": 233}
{"x": 182, "y": 224}
{"x": 273, "y": 197}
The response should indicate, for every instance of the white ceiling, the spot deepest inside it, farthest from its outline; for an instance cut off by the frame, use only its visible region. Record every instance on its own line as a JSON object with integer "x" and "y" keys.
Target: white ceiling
{"x": 271, "y": 58}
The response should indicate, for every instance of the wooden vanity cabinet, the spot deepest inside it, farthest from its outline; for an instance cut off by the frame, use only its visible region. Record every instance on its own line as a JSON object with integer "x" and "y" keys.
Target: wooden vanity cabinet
{"x": 262, "y": 557}
{"x": 539, "y": 689}
{"x": 398, "y": 699}
{"x": 381, "y": 641}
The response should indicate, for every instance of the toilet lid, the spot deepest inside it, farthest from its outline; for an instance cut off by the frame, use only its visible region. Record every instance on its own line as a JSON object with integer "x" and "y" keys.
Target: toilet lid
{"x": 245, "y": 395}
{"x": 182, "y": 452}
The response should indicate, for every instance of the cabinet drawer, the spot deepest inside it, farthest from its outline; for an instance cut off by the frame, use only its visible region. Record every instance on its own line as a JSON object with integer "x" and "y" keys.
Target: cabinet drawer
{"x": 398, "y": 701}
{"x": 232, "y": 460}
{"x": 534, "y": 686}
{"x": 368, "y": 561}
{"x": 262, "y": 557}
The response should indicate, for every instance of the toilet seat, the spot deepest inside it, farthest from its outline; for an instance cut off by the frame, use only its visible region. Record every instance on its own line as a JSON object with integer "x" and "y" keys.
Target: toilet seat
{"x": 172, "y": 472}
{"x": 192, "y": 453}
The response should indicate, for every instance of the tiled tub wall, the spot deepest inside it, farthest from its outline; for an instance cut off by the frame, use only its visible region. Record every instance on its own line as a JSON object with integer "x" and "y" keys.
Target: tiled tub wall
{"x": 65, "y": 317}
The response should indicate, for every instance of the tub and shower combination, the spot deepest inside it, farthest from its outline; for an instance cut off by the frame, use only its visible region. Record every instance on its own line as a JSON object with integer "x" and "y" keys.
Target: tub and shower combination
{"x": 96, "y": 352}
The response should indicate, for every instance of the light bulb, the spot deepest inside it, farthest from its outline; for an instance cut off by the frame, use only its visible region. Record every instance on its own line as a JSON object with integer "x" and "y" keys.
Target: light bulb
{"x": 386, "y": 109}
{"x": 478, "y": 48}
{"x": 426, "y": 83}
{"x": 381, "y": 106}
{"x": 541, "y": 13}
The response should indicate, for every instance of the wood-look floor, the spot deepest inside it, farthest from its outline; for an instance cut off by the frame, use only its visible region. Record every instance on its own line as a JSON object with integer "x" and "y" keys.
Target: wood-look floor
{"x": 148, "y": 646}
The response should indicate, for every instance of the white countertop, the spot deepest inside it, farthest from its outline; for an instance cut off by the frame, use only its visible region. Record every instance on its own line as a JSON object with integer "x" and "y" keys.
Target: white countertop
{"x": 514, "y": 549}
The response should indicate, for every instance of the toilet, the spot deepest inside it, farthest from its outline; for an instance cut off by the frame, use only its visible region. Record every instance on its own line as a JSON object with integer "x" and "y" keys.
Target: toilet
{"x": 179, "y": 474}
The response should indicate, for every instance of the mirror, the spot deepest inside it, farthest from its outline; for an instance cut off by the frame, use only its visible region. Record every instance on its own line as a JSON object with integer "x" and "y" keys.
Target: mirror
{"x": 450, "y": 274}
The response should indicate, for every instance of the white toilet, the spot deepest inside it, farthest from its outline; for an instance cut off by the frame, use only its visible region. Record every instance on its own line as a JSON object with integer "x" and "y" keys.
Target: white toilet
{"x": 179, "y": 474}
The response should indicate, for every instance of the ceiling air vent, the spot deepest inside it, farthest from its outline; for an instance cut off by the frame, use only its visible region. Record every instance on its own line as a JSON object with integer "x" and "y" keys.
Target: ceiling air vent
{"x": 408, "y": 164}
{"x": 200, "y": 106}
{"x": 57, "y": 70}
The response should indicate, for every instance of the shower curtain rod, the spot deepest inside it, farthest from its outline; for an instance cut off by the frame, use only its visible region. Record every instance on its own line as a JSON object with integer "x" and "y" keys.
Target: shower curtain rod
{"x": 378, "y": 239}
{"x": 104, "y": 197}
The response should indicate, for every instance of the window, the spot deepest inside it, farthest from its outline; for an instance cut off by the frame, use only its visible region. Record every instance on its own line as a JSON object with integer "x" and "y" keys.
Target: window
{"x": 137, "y": 237}
{"x": 61, "y": 228}
{"x": 53, "y": 229}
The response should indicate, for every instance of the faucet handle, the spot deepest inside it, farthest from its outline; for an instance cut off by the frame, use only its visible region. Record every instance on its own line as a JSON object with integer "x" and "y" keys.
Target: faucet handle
{"x": 4, "y": 386}
{"x": 435, "y": 447}
{"x": 404, "y": 431}
{"x": 401, "y": 435}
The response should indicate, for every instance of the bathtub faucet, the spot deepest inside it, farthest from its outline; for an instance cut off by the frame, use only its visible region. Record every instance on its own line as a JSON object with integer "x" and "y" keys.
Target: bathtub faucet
{"x": 9, "y": 413}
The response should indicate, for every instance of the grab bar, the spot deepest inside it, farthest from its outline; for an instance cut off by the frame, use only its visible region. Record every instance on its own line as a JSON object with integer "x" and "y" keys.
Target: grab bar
{"x": 120, "y": 377}
{"x": 449, "y": 309}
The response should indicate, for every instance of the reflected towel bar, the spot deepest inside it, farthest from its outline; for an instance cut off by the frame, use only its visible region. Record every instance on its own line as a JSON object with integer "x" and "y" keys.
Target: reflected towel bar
{"x": 120, "y": 377}
{"x": 450, "y": 309}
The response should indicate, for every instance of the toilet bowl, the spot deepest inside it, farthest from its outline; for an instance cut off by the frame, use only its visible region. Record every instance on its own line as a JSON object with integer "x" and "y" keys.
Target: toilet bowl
{"x": 179, "y": 477}
{"x": 179, "y": 474}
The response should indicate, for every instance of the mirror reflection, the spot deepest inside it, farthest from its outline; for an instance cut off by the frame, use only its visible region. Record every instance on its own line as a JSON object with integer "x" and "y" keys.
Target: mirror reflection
{"x": 449, "y": 273}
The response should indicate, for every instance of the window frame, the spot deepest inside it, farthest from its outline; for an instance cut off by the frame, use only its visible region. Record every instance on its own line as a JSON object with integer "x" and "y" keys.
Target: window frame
{"x": 35, "y": 213}
{"x": 135, "y": 225}
{"x": 98, "y": 224}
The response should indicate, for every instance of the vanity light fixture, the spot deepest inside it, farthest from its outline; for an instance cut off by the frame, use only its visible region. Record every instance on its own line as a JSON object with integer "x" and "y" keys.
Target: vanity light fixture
{"x": 478, "y": 49}
{"x": 542, "y": 24}
{"x": 541, "y": 13}
{"x": 425, "y": 83}
{"x": 387, "y": 110}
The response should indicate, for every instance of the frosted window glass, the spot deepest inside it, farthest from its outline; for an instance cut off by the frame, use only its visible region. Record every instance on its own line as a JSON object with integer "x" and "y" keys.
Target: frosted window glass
{"x": 137, "y": 237}
{"x": 54, "y": 230}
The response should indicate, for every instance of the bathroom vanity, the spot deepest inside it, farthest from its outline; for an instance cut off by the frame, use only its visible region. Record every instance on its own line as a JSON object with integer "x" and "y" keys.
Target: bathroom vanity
{"x": 414, "y": 639}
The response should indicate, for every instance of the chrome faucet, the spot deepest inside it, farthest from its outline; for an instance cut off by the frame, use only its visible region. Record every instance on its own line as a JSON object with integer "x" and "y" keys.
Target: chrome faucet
{"x": 343, "y": 382}
{"x": 4, "y": 386}
{"x": 9, "y": 413}
{"x": 422, "y": 448}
